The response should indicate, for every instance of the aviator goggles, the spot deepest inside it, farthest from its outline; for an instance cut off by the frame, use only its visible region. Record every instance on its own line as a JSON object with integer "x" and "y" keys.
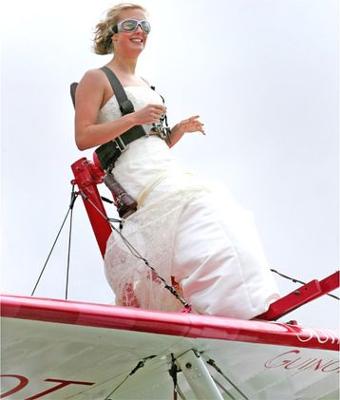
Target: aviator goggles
{"x": 131, "y": 25}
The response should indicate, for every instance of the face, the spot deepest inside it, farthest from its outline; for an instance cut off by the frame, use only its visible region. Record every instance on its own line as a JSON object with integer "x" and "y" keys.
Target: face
{"x": 131, "y": 44}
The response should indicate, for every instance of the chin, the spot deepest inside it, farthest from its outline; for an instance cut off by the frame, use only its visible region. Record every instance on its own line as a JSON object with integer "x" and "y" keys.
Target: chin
{"x": 136, "y": 51}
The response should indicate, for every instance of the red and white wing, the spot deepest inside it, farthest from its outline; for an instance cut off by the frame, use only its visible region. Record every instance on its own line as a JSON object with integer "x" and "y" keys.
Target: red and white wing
{"x": 54, "y": 349}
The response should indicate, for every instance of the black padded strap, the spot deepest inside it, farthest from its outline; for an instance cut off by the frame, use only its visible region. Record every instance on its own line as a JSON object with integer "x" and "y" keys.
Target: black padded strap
{"x": 73, "y": 88}
{"x": 109, "y": 153}
{"x": 125, "y": 105}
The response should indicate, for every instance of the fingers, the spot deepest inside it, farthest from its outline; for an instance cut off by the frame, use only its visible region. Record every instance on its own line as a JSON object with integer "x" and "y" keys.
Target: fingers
{"x": 199, "y": 128}
{"x": 157, "y": 112}
{"x": 191, "y": 119}
{"x": 158, "y": 107}
{"x": 193, "y": 125}
{"x": 152, "y": 113}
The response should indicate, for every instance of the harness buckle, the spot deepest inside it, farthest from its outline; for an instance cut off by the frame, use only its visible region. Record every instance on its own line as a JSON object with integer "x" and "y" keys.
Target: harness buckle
{"x": 120, "y": 145}
{"x": 160, "y": 130}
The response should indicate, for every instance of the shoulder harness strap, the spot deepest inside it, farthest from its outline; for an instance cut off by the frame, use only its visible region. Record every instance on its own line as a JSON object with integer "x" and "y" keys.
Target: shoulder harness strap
{"x": 125, "y": 104}
{"x": 109, "y": 153}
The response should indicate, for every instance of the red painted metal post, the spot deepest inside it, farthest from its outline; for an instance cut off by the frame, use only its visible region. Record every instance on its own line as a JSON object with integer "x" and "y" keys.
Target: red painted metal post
{"x": 87, "y": 176}
{"x": 330, "y": 283}
{"x": 304, "y": 294}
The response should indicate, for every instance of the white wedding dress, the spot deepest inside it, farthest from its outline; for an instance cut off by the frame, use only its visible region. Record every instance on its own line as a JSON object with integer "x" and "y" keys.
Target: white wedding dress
{"x": 195, "y": 237}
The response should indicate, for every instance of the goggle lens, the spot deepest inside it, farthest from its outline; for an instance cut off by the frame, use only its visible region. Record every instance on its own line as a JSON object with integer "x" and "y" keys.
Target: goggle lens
{"x": 131, "y": 25}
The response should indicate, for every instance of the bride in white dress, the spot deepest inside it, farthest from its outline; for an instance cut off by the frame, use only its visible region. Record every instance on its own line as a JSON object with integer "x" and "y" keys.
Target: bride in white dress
{"x": 197, "y": 238}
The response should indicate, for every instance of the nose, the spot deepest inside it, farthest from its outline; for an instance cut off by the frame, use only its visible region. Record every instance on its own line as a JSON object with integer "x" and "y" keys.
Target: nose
{"x": 139, "y": 28}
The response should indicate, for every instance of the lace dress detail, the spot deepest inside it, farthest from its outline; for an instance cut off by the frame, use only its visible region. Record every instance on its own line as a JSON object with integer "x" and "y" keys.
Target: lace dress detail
{"x": 185, "y": 230}
{"x": 152, "y": 232}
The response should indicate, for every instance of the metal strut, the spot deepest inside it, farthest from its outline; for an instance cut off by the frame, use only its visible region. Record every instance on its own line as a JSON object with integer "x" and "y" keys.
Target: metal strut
{"x": 198, "y": 377}
{"x": 218, "y": 369}
{"x": 173, "y": 371}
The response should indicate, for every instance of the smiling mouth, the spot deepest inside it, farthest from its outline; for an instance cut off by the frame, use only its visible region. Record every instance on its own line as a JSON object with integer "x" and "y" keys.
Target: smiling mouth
{"x": 137, "y": 40}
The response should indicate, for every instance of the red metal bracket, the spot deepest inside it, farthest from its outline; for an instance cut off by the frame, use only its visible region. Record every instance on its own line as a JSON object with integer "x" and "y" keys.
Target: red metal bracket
{"x": 87, "y": 177}
{"x": 306, "y": 293}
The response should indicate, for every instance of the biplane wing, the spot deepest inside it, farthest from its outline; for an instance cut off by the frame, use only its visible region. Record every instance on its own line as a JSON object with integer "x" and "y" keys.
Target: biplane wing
{"x": 55, "y": 349}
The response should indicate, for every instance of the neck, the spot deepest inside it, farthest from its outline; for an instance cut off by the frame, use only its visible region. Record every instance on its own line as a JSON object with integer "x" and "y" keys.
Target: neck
{"x": 124, "y": 64}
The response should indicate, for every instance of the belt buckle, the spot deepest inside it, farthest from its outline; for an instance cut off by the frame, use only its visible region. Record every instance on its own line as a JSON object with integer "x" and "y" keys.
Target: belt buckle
{"x": 120, "y": 145}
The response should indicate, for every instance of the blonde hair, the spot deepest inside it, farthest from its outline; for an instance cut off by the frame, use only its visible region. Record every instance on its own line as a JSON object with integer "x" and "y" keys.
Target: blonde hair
{"x": 103, "y": 33}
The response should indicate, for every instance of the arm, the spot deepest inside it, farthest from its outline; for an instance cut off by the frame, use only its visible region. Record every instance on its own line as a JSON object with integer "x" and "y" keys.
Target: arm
{"x": 89, "y": 99}
{"x": 191, "y": 124}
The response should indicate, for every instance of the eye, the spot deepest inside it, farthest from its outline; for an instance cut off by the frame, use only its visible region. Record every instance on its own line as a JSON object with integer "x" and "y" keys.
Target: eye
{"x": 129, "y": 25}
{"x": 146, "y": 26}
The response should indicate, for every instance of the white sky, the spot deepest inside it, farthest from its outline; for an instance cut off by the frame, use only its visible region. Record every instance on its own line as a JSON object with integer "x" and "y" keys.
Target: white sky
{"x": 262, "y": 74}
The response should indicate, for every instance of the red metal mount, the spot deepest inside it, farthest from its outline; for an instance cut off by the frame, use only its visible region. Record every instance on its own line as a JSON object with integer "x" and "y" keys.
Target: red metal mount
{"x": 87, "y": 176}
{"x": 306, "y": 293}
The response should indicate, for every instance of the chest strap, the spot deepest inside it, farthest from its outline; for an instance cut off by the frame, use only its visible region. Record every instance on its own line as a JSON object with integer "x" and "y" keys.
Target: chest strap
{"x": 109, "y": 153}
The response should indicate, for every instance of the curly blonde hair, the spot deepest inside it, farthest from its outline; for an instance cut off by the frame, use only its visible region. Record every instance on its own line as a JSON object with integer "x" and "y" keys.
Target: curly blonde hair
{"x": 103, "y": 33}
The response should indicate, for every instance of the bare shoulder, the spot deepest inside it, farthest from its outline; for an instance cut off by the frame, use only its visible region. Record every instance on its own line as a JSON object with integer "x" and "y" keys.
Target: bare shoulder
{"x": 91, "y": 88}
{"x": 92, "y": 78}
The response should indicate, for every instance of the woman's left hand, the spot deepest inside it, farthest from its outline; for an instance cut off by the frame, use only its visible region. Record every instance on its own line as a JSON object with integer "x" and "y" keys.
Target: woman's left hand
{"x": 191, "y": 124}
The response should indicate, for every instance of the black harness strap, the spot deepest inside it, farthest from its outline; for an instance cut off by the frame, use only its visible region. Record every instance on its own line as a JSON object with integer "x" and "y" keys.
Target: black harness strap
{"x": 109, "y": 153}
{"x": 125, "y": 104}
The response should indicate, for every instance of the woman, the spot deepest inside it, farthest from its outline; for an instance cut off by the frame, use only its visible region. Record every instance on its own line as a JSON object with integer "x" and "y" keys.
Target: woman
{"x": 197, "y": 240}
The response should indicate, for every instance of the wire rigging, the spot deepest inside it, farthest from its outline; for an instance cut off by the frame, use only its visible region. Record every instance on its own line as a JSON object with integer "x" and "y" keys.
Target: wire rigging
{"x": 74, "y": 196}
{"x": 218, "y": 369}
{"x": 129, "y": 246}
{"x": 226, "y": 391}
{"x": 73, "y": 199}
{"x": 298, "y": 281}
{"x": 139, "y": 365}
{"x": 135, "y": 253}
